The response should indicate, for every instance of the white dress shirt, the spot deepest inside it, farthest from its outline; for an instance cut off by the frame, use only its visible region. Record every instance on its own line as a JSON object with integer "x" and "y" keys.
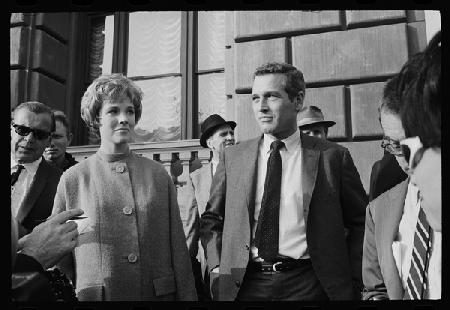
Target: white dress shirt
{"x": 26, "y": 175}
{"x": 403, "y": 246}
{"x": 292, "y": 221}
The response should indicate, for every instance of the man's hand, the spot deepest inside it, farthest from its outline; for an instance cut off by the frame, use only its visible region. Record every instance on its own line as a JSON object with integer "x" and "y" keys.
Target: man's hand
{"x": 52, "y": 239}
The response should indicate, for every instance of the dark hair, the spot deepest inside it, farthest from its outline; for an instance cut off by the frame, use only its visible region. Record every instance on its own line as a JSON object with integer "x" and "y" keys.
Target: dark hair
{"x": 391, "y": 99}
{"x": 37, "y": 108}
{"x": 294, "y": 77}
{"x": 421, "y": 111}
{"x": 61, "y": 117}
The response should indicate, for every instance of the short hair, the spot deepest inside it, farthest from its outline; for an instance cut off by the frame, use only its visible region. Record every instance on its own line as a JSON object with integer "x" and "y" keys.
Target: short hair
{"x": 391, "y": 99}
{"x": 294, "y": 77}
{"x": 37, "y": 108}
{"x": 61, "y": 117}
{"x": 111, "y": 87}
{"x": 421, "y": 113}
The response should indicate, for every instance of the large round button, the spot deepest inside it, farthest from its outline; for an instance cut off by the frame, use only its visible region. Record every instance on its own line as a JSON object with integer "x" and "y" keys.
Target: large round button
{"x": 120, "y": 169}
{"x": 132, "y": 258}
{"x": 127, "y": 210}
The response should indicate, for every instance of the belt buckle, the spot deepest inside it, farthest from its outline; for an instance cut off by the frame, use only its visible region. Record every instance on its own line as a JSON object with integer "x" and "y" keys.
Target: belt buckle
{"x": 274, "y": 266}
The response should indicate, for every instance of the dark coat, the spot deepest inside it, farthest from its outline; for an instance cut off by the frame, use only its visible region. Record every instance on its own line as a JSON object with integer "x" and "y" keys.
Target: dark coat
{"x": 38, "y": 201}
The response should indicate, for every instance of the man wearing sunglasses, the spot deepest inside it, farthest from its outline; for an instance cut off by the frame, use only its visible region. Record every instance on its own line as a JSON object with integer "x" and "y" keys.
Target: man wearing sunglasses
{"x": 398, "y": 261}
{"x": 33, "y": 180}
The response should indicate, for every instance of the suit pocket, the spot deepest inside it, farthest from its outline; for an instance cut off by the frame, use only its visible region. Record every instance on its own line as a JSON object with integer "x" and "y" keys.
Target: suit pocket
{"x": 92, "y": 293}
{"x": 164, "y": 285}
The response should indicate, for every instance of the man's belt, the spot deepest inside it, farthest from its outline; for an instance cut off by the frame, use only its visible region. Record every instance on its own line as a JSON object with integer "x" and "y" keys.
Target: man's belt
{"x": 278, "y": 266}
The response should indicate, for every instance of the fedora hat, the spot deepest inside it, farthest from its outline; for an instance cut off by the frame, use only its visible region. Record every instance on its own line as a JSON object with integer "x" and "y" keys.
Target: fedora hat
{"x": 312, "y": 115}
{"x": 210, "y": 124}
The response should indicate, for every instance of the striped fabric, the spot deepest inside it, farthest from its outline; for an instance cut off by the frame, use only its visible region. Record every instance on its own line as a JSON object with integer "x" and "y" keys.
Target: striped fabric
{"x": 417, "y": 279}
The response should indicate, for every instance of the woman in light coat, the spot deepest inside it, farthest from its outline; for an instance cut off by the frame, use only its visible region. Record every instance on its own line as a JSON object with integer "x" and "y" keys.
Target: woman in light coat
{"x": 131, "y": 246}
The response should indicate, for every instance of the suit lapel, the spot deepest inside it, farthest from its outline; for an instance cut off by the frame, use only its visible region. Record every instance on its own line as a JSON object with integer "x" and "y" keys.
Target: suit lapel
{"x": 247, "y": 172}
{"x": 393, "y": 210}
{"x": 33, "y": 192}
{"x": 310, "y": 160}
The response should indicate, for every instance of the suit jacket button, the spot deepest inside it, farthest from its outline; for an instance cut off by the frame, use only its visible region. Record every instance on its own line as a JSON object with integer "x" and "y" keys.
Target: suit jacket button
{"x": 127, "y": 210}
{"x": 120, "y": 169}
{"x": 132, "y": 258}
{"x": 238, "y": 284}
{"x": 247, "y": 247}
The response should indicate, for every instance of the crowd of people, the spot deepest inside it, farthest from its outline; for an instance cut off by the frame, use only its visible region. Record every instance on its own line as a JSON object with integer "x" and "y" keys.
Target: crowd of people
{"x": 280, "y": 217}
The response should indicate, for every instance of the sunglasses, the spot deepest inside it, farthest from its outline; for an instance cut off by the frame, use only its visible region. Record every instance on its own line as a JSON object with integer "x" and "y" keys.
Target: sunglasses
{"x": 392, "y": 146}
{"x": 413, "y": 150}
{"x": 25, "y": 131}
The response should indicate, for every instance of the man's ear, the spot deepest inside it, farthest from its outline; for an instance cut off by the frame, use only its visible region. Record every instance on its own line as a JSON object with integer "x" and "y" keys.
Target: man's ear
{"x": 298, "y": 100}
{"x": 69, "y": 138}
{"x": 208, "y": 143}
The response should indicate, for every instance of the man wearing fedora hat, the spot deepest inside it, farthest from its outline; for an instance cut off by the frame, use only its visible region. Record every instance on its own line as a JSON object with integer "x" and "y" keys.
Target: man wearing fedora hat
{"x": 311, "y": 122}
{"x": 216, "y": 134}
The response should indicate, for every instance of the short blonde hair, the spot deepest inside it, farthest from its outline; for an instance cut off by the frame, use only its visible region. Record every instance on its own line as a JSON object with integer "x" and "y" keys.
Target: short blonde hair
{"x": 110, "y": 87}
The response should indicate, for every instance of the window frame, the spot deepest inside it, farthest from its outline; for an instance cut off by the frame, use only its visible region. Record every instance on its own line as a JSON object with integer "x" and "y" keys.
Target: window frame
{"x": 189, "y": 72}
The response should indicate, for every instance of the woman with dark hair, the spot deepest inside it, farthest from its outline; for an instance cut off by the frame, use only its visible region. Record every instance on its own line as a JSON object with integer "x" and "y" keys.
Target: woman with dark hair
{"x": 131, "y": 246}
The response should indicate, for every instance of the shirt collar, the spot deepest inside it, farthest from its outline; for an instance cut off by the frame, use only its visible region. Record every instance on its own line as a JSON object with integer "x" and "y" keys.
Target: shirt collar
{"x": 30, "y": 167}
{"x": 289, "y": 143}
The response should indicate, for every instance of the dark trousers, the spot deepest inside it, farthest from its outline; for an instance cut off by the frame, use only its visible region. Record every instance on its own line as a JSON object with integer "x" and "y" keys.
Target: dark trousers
{"x": 300, "y": 283}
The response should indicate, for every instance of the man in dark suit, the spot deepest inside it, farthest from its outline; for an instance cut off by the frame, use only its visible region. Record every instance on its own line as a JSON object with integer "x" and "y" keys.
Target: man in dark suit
{"x": 274, "y": 224}
{"x": 33, "y": 180}
{"x": 386, "y": 173}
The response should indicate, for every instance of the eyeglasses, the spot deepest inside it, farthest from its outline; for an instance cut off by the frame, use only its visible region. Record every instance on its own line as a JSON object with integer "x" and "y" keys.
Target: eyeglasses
{"x": 25, "y": 131}
{"x": 392, "y": 146}
{"x": 413, "y": 151}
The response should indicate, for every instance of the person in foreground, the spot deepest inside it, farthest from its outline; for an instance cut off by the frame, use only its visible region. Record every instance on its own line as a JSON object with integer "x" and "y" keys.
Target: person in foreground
{"x": 131, "y": 246}
{"x": 32, "y": 254}
{"x": 402, "y": 252}
{"x": 274, "y": 225}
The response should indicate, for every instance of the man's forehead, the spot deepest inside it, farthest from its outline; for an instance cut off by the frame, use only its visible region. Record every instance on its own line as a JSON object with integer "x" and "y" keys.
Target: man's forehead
{"x": 268, "y": 82}
{"x": 37, "y": 120}
{"x": 223, "y": 128}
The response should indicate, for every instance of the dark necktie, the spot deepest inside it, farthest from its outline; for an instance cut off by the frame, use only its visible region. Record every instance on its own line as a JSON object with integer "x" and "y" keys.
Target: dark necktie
{"x": 266, "y": 236}
{"x": 15, "y": 174}
{"x": 416, "y": 284}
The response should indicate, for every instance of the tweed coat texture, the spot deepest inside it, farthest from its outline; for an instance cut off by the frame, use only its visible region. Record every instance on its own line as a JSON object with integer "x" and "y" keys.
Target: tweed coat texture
{"x": 37, "y": 201}
{"x": 333, "y": 200}
{"x": 133, "y": 247}
{"x": 380, "y": 274}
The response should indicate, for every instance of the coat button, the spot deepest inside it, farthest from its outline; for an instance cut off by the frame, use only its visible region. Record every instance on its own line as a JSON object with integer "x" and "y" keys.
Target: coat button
{"x": 127, "y": 210}
{"x": 132, "y": 258}
{"x": 238, "y": 284}
{"x": 247, "y": 247}
{"x": 120, "y": 169}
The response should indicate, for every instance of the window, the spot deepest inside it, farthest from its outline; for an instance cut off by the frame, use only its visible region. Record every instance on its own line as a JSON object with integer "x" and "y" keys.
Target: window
{"x": 178, "y": 60}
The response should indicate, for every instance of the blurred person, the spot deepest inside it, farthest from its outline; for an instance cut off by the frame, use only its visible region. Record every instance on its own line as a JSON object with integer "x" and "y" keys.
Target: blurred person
{"x": 311, "y": 122}
{"x": 400, "y": 258}
{"x": 55, "y": 153}
{"x": 271, "y": 197}
{"x": 217, "y": 134}
{"x": 33, "y": 180}
{"x": 422, "y": 121}
{"x": 46, "y": 244}
{"x": 132, "y": 245}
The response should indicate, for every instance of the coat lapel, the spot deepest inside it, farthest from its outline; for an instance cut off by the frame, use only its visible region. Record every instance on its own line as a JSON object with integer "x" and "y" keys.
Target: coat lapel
{"x": 247, "y": 172}
{"x": 310, "y": 160}
{"x": 393, "y": 205}
{"x": 33, "y": 192}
